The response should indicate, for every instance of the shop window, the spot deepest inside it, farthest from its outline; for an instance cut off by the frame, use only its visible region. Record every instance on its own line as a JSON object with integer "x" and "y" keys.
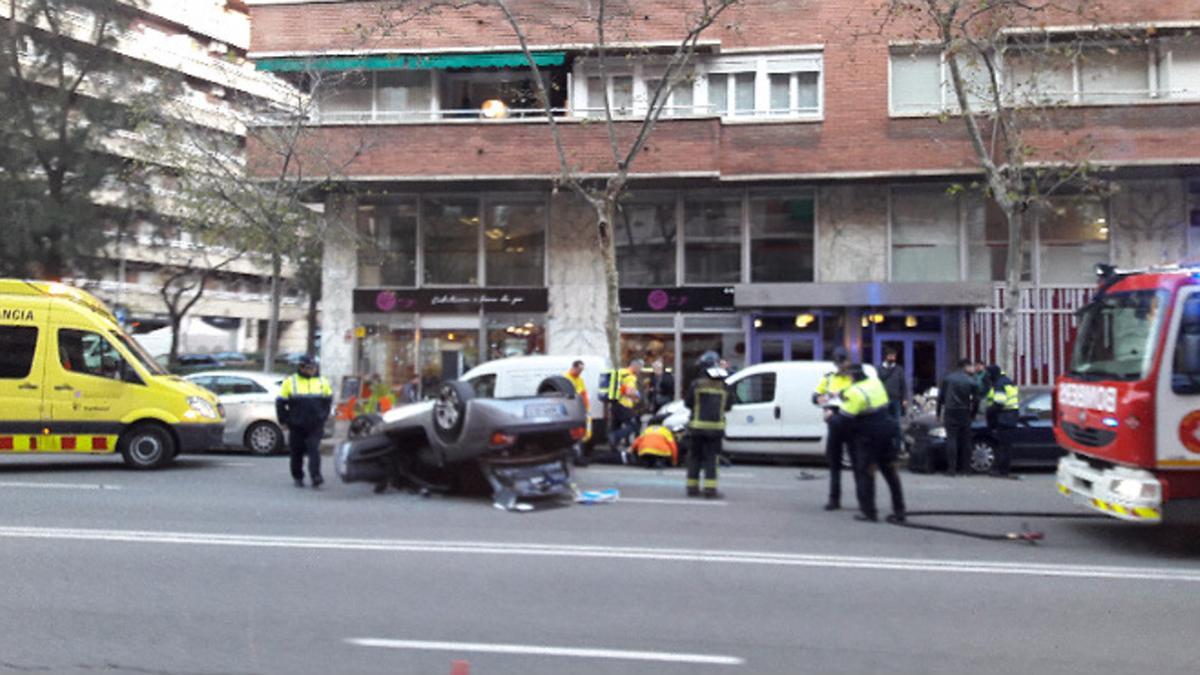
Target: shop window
{"x": 712, "y": 240}
{"x": 987, "y": 242}
{"x": 451, "y": 237}
{"x": 645, "y": 233}
{"x": 925, "y": 233}
{"x": 387, "y": 250}
{"x": 16, "y": 359}
{"x": 446, "y": 355}
{"x": 730, "y": 346}
{"x": 781, "y": 238}
{"x": 515, "y": 242}
{"x": 391, "y": 355}
{"x": 1072, "y": 238}
{"x": 515, "y": 335}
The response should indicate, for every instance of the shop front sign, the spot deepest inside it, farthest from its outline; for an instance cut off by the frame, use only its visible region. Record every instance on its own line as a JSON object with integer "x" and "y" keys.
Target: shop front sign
{"x": 688, "y": 299}
{"x": 450, "y": 300}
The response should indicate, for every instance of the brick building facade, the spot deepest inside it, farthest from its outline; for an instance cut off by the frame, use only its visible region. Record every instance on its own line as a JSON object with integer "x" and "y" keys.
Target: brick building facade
{"x": 793, "y": 198}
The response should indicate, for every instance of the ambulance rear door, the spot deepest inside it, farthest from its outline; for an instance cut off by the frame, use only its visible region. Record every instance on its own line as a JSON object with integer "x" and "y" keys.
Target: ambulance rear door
{"x": 23, "y": 337}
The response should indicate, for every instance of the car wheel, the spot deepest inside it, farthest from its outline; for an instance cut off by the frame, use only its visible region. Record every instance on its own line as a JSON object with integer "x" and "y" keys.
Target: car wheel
{"x": 556, "y": 385}
{"x": 147, "y": 446}
{"x": 364, "y": 425}
{"x": 450, "y": 409}
{"x": 263, "y": 438}
{"x": 983, "y": 455}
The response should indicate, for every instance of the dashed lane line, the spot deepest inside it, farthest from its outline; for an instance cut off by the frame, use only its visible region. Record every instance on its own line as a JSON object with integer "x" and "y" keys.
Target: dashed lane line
{"x": 540, "y": 650}
{"x": 32, "y": 485}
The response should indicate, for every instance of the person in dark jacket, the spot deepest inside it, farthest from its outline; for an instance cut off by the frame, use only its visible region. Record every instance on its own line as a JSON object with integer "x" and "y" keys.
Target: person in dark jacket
{"x": 707, "y": 400}
{"x": 895, "y": 382}
{"x": 303, "y": 406}
{"x": 958, "y": 399}
{"x": 662, "y": 385}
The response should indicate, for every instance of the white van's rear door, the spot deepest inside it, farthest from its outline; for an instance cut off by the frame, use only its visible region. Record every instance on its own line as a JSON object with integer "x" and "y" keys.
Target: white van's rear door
{"x": 753, "y": 423}
{"x": 801, "y": 422}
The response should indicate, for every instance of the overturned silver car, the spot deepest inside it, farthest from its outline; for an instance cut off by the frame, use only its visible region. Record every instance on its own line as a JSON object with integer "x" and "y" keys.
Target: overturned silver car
{"x": 521, "y": 447}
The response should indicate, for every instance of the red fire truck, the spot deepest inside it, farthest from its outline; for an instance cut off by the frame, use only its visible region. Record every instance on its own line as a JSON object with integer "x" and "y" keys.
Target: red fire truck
{"x": 1128, "y": 410}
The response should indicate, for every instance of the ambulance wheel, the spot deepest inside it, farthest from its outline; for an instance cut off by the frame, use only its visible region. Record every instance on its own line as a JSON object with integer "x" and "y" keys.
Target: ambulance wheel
{"x": 147, "y": 446}
{"x": 450, "y": 409}
{"x": 983, "y": 455}
{"x": 263, "y": 438}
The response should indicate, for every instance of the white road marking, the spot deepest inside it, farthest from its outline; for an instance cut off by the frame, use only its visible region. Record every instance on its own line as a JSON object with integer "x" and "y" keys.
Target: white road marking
{"x": 235, "y": 463}
{"x": 611, "y": 553}
{"x": 672, "y": 502}
{"x": 672, "y": 472}
{"x": 537, "y": 650}
{"x": 57, "y": 486}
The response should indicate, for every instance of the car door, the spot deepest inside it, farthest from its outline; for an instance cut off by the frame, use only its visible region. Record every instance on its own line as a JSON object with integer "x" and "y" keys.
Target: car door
{"x": 801, "y": 424}
{"x": 88, "y": 388}
{"x": 242, "y": 398}
{"x": 752, "y": 424}
{"x": 21, "y": 385}
{"x": 1033, "y": 439}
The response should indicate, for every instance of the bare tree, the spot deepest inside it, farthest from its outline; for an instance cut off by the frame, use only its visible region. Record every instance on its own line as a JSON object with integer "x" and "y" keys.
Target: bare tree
{"x": 602, "y": 194}
{"x": 266, "y": 188}
{"x": 1000, "y": 61}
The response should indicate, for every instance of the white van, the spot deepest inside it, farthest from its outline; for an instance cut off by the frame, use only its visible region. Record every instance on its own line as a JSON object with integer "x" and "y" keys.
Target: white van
{"x": 773, "y": 412}
{"x": 521, "y": 375}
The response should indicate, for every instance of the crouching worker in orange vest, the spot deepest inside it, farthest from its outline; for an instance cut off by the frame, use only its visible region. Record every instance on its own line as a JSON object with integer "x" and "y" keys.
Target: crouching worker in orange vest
{"x": 656, "y": 447}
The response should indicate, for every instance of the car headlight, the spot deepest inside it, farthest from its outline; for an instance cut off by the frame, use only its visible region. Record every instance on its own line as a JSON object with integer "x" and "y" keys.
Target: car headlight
{"x": 200, "y": 408}
{"x": 1133, "y": 489}
{"x": 937, "y": 432}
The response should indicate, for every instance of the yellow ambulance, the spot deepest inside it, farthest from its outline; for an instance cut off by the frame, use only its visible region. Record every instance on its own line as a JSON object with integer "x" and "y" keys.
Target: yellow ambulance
{"x": 72, "y": 381}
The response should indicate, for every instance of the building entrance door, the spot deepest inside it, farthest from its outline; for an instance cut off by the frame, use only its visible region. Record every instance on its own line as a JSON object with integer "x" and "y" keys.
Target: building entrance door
{"x": 771, "y": 347}
{"x": 922, "y": 355}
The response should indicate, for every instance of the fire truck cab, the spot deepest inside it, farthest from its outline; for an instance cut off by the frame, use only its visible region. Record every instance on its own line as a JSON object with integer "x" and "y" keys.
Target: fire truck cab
{"x": 1128, "y": 409}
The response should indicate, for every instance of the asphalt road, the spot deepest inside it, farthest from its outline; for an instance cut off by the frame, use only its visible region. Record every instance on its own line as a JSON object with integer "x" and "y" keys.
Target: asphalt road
{"x": 220, "y": 565}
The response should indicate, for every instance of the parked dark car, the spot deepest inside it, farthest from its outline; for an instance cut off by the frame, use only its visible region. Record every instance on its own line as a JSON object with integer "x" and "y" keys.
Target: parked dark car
{"x": 199, "y": 361}
{"x": 1032, "y": 441}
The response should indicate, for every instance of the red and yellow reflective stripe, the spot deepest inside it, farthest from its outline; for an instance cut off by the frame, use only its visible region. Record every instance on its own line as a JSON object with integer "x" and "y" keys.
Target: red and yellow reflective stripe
{"x": 58, "y": 443}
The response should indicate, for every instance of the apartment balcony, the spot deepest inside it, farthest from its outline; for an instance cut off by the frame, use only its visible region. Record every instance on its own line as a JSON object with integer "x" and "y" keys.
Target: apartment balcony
{"x": 145, "y": 299}
{"x": 493, "y": 149}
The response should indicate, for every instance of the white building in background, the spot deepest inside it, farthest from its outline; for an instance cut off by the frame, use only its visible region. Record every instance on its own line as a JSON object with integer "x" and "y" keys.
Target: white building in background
{"x": 204, "y": 43}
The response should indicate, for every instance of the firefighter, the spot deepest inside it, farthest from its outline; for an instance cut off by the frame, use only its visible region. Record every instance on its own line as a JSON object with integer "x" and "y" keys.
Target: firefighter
{"x": 575, "y": 375}
{"x": 826, "y": 396}
{"x": 303, "y": 406}
{"x": 871, "y": 428}
{"x": 707, "y": 400}
{"x": 1003, "y": 414}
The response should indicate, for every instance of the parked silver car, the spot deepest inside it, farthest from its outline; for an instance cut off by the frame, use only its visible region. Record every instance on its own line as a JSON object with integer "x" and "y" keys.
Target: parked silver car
{"x": 249, "y": 401}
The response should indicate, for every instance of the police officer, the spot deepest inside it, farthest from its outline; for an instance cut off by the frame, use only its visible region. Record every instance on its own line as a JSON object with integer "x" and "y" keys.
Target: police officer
{"x": 303, "y": 406}
{"x": 707, "y": 400}
{"x": 871, "y": 428}
{"x": 826, "y": 395}
{"x": 1003, "y": 414}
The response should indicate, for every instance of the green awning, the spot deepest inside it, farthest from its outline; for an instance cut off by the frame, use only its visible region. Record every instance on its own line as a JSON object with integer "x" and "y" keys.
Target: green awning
{"x": 411, "y": 62}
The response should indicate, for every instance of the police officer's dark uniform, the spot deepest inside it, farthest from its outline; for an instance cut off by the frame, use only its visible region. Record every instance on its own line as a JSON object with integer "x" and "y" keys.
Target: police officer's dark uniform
{"x": 707, "y": 400}
{"x": 1003, "y": 415}
{"x": 956, "y": 405}
{"x": 871, "y": 429}
{"x": 829, "y": 388}
{"x": 303, "y": 406}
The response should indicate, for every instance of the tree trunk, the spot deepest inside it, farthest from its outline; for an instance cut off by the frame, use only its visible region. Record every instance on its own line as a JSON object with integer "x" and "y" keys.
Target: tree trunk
{"x": 310, "y": 342}
{"x": 606, "y": 214}
{"x": 1010, "y": 320}
{"x": 272, "y": 346}
{"x": 176, "y": 320}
